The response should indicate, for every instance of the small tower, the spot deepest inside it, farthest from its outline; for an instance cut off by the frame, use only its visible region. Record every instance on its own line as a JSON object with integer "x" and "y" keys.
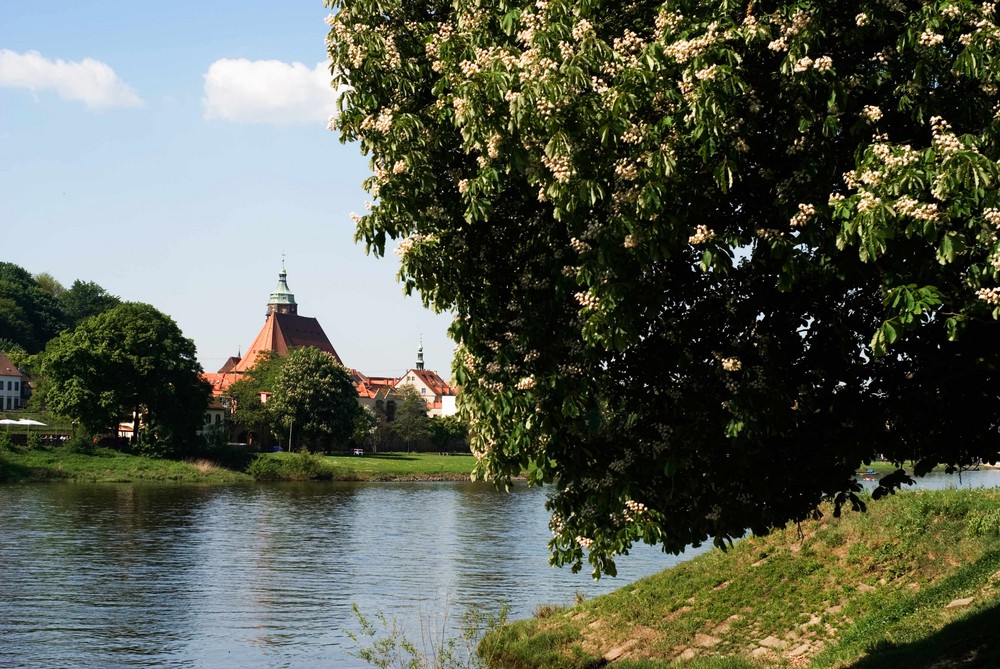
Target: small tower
{"x": 282, "y": 301}
{"x": 420, "y": 354}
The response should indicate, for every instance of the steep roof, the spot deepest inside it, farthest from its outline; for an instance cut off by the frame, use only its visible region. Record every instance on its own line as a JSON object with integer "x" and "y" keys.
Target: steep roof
{"x": 7, "y": 368}
{"x": 230, "y": 363}
{"x": 432, "y": 380}
{"x": 282, "y": 332}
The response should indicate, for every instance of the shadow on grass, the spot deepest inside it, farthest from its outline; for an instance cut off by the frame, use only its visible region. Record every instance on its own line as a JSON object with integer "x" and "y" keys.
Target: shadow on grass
{"x": 971, "y": 642}
{"x": 11, "y": 472}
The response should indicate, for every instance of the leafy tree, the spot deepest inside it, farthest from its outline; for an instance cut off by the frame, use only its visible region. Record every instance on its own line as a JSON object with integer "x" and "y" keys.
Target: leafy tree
{"x": 130, "y": 361}
{"x": 15, "y": 352}
{"x": 705, "y": 258}
{"x": 85, "y": 299}
{"x": 50, "y": 285}
{"x": 315, "y": 399}
{"x": 245, "y": 394}
{"x": 411, "y": 423}
{"x": 449, "y": 433}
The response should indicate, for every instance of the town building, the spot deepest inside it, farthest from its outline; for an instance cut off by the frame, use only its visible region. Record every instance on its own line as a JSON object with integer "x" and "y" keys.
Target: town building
{"x": 13, "y": 385}
{"x": 284, "y": 329}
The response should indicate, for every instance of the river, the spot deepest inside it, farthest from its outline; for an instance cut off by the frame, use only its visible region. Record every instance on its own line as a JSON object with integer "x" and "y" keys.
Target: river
{"x": 127, "y": 575}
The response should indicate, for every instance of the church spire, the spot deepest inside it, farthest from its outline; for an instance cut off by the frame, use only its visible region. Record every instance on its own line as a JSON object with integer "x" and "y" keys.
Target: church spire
{"x": 420, "y": 354}
{"x": 282, "y": 301}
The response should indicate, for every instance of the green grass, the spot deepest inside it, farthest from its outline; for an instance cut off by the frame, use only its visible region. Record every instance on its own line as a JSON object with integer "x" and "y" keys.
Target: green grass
{"x": 105, "y": 465}
{"x": 865, "y": 591}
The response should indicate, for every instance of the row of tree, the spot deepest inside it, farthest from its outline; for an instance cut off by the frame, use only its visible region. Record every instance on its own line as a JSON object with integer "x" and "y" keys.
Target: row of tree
{"x": 100, "y": 361}
{"x": 307, "y": 400}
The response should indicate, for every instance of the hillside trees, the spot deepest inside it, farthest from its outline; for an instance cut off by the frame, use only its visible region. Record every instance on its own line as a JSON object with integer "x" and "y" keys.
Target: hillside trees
{"x": 705, "y": 258}
{"x": 130, "y": 361}
{"x": 30, "y": 315}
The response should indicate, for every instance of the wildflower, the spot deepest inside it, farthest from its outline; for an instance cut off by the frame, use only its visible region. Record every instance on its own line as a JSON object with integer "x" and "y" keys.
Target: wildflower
{"x": 732, "y": 364}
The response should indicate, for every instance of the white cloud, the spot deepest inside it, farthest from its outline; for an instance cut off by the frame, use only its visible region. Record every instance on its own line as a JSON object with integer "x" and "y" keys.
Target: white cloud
{"x": 88, "y": 81}
{"x": 268, "y": 91}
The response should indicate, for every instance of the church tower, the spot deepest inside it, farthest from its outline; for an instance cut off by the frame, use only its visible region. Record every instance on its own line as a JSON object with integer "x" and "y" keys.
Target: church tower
{"x": 420, "y": 354}
{"x": 282, "y": 301}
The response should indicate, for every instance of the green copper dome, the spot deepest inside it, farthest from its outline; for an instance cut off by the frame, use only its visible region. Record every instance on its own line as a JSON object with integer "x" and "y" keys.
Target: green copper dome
{"x": 281, "y": 294}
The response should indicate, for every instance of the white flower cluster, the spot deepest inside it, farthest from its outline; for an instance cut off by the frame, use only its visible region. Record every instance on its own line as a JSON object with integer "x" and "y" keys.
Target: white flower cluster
{"x": 684, "y": 50}
{"x": 399, "y": 167}
{"x": 944, "y": 140}
{"x": 802, "y": 64}
{"x": 907, "y": 206}
{"x": 992, "y": 216}
{"x": 527, "y": 383}
{"x": 627, "y": 170}
{"x": 929, "y": 38}
{"x": 634, "y": 133}
{"x": 463, "y": 186}
{"x": 951, "y": 11}
{"x": 588, "y": 300}
{"x": 667, "y": 21}
{"x": 702, "y": 234}
{"x": 579, "y": 245}
{"x": 585, "y": 542}
{"x": 708, "y": 73}
{"x": 331, "y": 123}
{"x": 582, "y": 30}
{"x": 768, "y": 234}
{"x": 806, "y": 212}
{"x": 989, "y": 295}
{"x": 732, "y": 364}
{"x": 872, "y": 113}
{"x": 560, "y": 166}
{"x": 628, "y": 43}
{"x": 631, "y": 241}
{"x": 634, "y": 509}
{"x": 835, "y": 199}
{"x": 823, "y": 63}
{"x": 407, "y": 244}
{"x": 861, "y": 20}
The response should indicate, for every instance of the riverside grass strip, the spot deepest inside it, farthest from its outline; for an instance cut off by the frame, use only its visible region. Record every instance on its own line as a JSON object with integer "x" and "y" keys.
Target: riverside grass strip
{"x": 107, "y": 465}
{"x": 915, "y": 582}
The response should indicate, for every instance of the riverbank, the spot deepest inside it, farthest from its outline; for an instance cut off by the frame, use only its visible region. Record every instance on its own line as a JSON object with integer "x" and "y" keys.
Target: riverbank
{"x": 915, "y": 582}
{"x": 106, "y": 465}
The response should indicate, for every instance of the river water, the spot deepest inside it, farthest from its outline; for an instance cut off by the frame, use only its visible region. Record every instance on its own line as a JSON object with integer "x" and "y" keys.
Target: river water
{"x": 264, "y": 576}
{"x": 125, "y": 575}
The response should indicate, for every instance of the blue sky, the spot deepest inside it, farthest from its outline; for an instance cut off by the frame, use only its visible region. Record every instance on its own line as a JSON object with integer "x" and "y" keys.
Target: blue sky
{"x": 171, "y": 152}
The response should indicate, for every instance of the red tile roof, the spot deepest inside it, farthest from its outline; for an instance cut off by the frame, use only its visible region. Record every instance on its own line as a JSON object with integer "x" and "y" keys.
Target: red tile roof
{"x": 282, "y": 332}
{"x": 7, "y": 368}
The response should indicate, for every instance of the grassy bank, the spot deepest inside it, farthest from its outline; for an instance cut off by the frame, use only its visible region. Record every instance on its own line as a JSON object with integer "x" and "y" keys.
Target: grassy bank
{"x": 913, "y": 583}
{"x": 104, "y": 465}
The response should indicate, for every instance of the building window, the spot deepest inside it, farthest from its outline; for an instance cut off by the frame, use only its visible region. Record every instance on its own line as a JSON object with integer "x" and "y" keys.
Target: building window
{"x": 218, "y": 418}
{"x": 17, "y": 385}
{"x": 17, "y": 403}
{"x": 8, "y": 403}
{"x": 423, "y": 391}
{"x": 208, "y": 418}
{"x": 10, "y": 385}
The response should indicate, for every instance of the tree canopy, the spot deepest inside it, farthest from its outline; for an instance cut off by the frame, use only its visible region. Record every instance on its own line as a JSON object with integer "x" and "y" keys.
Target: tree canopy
{"x": 315, "y": 398}
{"x": 130, "y": 361}
{"x": 705, "y": 257}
